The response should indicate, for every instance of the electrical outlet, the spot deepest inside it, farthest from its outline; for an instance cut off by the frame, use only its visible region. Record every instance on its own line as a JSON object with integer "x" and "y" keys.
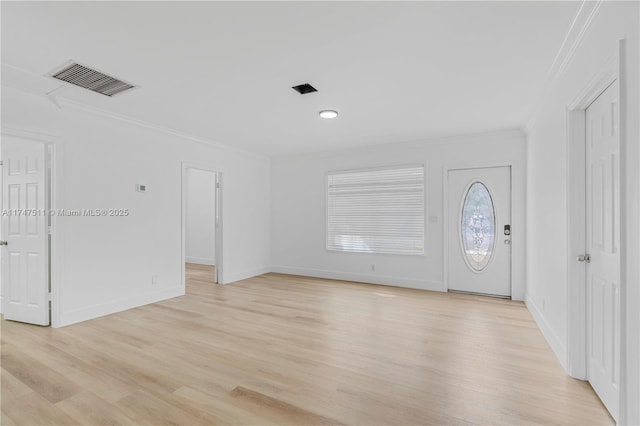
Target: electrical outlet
{"x": 154, "y": 279}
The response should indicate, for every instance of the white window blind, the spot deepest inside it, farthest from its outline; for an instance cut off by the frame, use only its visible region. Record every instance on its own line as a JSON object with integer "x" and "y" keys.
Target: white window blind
{"x": 376, "y": 211}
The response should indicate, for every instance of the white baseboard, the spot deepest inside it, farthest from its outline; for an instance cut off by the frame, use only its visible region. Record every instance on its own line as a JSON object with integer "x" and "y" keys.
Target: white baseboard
{"x": 95, "y": 311}
{"x": 200, "y": 260}
{"x": 558, "y": 347}
{"x": 362, "y": 278}
{"x": 231, "y": 278}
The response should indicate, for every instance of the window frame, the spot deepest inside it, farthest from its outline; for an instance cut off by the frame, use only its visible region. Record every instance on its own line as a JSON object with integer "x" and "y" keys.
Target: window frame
{"x": 495, "y": 226}
{"x": 396, "y": 166}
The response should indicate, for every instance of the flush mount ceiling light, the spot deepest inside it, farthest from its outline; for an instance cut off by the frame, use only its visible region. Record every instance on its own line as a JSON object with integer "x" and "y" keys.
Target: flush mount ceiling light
{"x": 328, "y": 113}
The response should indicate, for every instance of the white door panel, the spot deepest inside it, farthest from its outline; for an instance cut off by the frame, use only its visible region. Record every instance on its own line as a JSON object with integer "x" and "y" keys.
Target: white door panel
{"x": 479, "y": 230}
{"x": 603, "y": 295}
{"x": 25, "y": 265}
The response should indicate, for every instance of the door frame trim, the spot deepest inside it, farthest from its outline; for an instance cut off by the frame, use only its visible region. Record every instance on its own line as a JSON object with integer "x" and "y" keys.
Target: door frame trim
{"x": 185, "y": 165}
{"x": 55, "y": 147}
{"x": 517, "y": 222}
{"x": 576, "y": 223}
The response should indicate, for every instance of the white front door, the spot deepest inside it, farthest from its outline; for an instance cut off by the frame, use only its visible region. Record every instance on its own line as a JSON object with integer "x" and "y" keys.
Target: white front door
{"x": 25, "y": 257}
{"x": 603, "y": 247}
{"x": 479, "y": 230}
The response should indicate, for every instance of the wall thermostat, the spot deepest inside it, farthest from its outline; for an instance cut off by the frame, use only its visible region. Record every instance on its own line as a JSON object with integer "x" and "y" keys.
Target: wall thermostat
{"x": 141, "y": 187}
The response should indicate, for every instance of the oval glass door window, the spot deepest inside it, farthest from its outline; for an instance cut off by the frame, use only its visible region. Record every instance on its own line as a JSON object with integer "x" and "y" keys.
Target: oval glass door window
{"x": 478, "y": 226}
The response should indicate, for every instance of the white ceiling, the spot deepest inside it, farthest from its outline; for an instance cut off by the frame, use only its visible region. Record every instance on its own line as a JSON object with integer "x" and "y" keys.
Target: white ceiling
{"x": 396, "y": 71}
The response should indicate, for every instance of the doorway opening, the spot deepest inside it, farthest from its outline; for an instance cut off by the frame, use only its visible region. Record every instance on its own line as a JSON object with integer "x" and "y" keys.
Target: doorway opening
{"x": 596, "y": 290}
{"x": 27, "y": 228}
{"x": 479, "y": 231}
{"x": 201, "y": 226}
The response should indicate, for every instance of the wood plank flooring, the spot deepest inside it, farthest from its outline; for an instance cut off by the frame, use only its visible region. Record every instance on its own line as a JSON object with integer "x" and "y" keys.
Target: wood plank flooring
{"x": 278, "y": 349}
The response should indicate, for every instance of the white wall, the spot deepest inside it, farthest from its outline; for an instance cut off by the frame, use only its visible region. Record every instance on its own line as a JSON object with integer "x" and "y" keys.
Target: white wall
{"x": 104, "y": 265}
{"x": 298, "y": 209}
{"x": 200, "y": 220}
{"x": 547, "y": 246}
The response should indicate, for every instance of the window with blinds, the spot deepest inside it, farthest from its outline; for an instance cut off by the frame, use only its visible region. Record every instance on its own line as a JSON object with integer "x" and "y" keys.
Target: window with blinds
{"x": 376, "y": 210}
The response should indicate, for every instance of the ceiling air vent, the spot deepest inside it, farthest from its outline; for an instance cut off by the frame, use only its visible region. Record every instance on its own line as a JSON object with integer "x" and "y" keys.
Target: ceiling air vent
{"x": 305, "y": 88}
{"x": 91, "y": 79}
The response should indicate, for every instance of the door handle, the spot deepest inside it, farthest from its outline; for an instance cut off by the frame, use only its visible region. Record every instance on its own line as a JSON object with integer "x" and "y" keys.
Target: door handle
{"x": 584, "y": 258}
{"x": 4, "y": 243}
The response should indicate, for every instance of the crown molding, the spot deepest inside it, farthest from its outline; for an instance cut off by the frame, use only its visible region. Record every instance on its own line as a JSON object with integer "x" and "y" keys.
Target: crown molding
{"x": 576, "y": 33}
{"x": 503, "y": 134}
{"x": 161, "y": 129}
{"x": 581, "y": 23}
{"x": 29, "y": 134}
{"x": 60, "y": 101}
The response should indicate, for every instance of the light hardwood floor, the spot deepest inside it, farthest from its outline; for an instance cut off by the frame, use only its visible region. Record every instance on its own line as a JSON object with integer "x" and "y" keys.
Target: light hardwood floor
{"x": 280, "y": 349}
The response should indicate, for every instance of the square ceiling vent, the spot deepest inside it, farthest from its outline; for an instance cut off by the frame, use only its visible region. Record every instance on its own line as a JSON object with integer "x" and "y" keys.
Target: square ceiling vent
{"x": 91, "y": 79}
{"x": 305, "y": 88}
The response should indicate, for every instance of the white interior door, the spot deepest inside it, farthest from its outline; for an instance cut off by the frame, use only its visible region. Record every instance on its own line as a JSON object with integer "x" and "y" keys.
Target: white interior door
{"x": 603, "y": 248}
{"x": 25, "y": 257}
{"x": 479, "y": 230}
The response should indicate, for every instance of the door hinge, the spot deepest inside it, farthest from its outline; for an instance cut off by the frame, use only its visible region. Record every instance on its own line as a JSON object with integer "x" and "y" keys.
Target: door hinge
{"x": 48, "y": 297}
{"x": 49, "y": 230}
